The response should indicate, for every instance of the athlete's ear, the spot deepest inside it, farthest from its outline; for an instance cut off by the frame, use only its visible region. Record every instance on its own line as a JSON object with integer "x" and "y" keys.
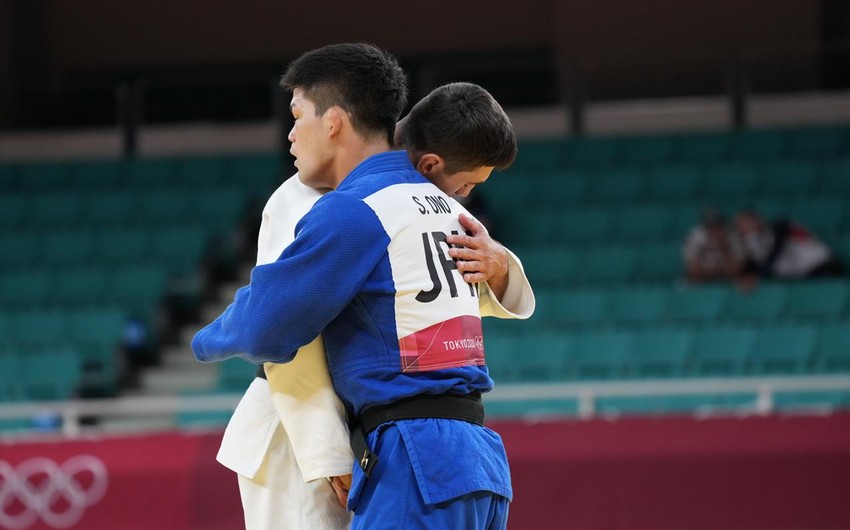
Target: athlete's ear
{"x": 431, "y": 164}
{"x": 334, "y": 119}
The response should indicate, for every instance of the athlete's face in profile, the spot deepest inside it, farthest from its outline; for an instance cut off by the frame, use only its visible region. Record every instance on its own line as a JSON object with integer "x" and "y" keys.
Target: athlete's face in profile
{"x": 309, "y": 139}
{"x": 457, "y": 184}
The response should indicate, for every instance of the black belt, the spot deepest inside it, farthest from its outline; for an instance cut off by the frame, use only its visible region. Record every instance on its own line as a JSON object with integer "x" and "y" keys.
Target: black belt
{"x": 466, "y": 408}
{"x": 261, "y": 372}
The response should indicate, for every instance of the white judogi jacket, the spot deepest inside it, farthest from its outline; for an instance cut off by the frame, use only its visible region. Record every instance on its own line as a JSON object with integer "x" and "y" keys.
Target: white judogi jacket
{"x": 299, "y": 396}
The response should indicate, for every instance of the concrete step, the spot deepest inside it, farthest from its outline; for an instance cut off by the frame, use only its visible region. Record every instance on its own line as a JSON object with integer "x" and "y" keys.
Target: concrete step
{"x": 179, "y": 358}
{"x": 164, "y": 380}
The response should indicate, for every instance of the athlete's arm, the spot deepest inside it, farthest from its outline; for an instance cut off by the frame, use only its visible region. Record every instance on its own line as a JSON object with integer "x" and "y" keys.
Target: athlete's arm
{"x": 289, "y": 302}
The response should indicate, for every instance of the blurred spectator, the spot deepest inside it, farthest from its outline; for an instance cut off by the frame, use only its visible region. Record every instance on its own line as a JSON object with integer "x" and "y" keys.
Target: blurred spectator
{"x": 783, "y": 249}
{"x": 712, "y": 251}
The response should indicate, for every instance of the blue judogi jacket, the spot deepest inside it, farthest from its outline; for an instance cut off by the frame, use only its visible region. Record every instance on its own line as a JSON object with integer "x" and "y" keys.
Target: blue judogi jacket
{"x": 369, "y": 270}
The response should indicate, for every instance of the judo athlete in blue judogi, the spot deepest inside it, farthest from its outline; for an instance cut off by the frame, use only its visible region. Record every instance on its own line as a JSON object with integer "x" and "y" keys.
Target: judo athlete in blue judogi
{"x": 371, "y": 271}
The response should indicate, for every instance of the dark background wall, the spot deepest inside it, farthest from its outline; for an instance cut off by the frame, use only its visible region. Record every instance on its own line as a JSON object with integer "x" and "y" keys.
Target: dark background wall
{"x": 62, "y": 52}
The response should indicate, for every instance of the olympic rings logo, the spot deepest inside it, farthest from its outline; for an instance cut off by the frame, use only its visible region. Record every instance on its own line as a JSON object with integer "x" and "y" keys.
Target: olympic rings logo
{"x": 58, "y": 495}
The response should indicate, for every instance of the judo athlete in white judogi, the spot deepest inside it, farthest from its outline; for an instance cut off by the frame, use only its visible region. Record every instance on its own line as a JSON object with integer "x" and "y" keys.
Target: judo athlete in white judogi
{"x": 289, "y": 434}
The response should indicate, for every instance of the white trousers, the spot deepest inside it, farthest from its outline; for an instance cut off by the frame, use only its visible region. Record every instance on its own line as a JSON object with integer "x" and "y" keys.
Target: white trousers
{"x": 277, "y": 498}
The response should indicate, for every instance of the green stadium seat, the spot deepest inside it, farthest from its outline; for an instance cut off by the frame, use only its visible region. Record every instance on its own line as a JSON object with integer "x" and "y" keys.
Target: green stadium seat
{"x": 724, "y": 182}
{"x": 773, "y": 207}
{"x": 96, "y": 174}
{"x": 658, "y": 262}
{"x": 596, "y": 152}
{"x": 784, "y": 349}
{"x": 696, "y": 305}
{"x": 19, "y": 250}
{"x": 37, "y": 328}
{"x": 833, "y": 180}
{"x": 538, "y": 227}
{"x": 122, "y": 246}
{"x": 787, "y": 179}
{"x": 833, "y": 353}
{"x": 815, "y": 143}
{"x": 501, "y": 351}
{"x": 647, "y": 149}
{"x": 258, "y": 174}
{"x": 758, "y": 145}
{"x": 137, "y": 289}
{"x": 108, "y": 208}
{"x": 642, "y": 223}
{"x": 683, "y": 218}
{"x": 49, "y": 373}
{"x": 79, "y": 287}
{"x": 589, "y": 225}
{"x": 543, "y": 357}
{"x": 814, "y": 401}
{"x": 10, "y": 378}
{"x": 234, "y": 375}
{"x": 62, "y": 249}
{"x": 575, "y": 307}
{"x": 200, "y": 172}
{"x": 8, "y": 178}
{"x": 179, "y": 249}
{"x": 42, "y": 177}
{"x": 149, "y": 174}
{"x": 13, "y": 211}
{"x": 218, "y": 209}
{"x": 723, "y": 351}
{"x": 163, "y": 207}
{"x": 767, "y": 302}
{"x": 615, "y": 186}
{"x": 610, "y": 264}
{"x": 821, "y": 300}
{"x": 636, "y": 305}
{"x": 25, "y": 289}
{"x": 842, "y": 249}
{"x": 673, "y": 183}
{"x": 503, "y": 193}
{"x": 661, "y": 353}
{"x": 548, "y": 266}
{"x": 822, "y": 215}
{"x": 54, "y": 210}
{"x": 96, "y": 335}
{"x": 701, "y": 148}
{"x": 601, "y": 355}
{"x": 554, "y": 190}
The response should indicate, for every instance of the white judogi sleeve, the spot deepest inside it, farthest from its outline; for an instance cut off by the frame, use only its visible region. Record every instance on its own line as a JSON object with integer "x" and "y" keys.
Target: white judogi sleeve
{"x": 518, "y": 300}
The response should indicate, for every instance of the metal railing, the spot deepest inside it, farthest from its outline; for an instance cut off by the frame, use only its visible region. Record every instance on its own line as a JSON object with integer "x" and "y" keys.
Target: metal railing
{"x": 588, "y": 393}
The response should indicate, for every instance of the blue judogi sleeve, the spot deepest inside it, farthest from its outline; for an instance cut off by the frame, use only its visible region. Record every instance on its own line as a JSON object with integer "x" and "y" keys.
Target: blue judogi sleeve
{"x": 289, "y": 302}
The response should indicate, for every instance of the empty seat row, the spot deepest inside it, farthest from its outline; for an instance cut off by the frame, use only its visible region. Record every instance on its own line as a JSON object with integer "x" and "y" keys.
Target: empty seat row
{"x": 217, "y": 208}
{"x": 805, "y": 301}
{"x": 812, "y": 144}
{"x": 50, "y": 374}
{"x": 667, "y": 183}
{"x": 179, "y": 249}
{"x": 716, "y": 351}
{"x": 253, "y": 173}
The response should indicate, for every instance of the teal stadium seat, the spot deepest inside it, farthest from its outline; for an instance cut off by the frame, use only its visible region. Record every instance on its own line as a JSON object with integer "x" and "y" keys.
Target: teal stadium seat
{"x": 96, "y": 175}
{"x": 49, "y": 373}
{"x": 641, "y": 223}
{"x": 765, "y": 303}
{"x": 650, "y": 150}
{"x": 201, "y": 172}
{"x": 701, "y": 305}
{"x": 108, "y": 208}
{"x": 787, "y": 179}
{"x": 701, "y": 148}
{"x": 67, "y": 248}
{"x": 673, "y": 183}
{"x": 500, "y": 351}
{"x": 620, "y": 186}
{"x": 723, "y": 351}
{"x": 822, "y": 300}
{"x": 807, "y": 402}
{"x": 548, "y": 267}
{"x": 13, "y": 210}
{"x": 25, "y": 289}
{"x": 234, "y": 375}
{"x": 157, "y": 208}
{"x": 19, "y": 250}
{"x": 42, "y": 177}
{"x": 833, "y": 179}
{"x": 758, "y": 145}
{"x": 595, "y": 152}
{"x": 661, "y": 353}
{"x": 607, "y": 264}
{"x": 258, "y": 174}
{"x": 218, "y": 209}
{"x": 784, "y": 349}
{"x": 118, "y": 246}
{"x": 137, "y": 289}
{"x": 543, "y": 356}
{"x": 581, "y": 226}
{"x": 179, "y": 249}
{"x": 601, "y": 355}
{"x": 553, "y": 190}
{"x": 8, "y": 178}
{"x": 636, "y": 306}
{"x": 833, "y": 352}
{"x": 84, "y": 286}
{"x": 722, "y": 182}
{"x": 145, "y": 174}
{"x": 37, "y": 328}
{"x": 543, "y": 155}
{"x": 54, "y": 210}
{"x": 658, "y": 262}
{"x": 824, "y": 216}
{"x": 574, "y": 307}
{"x": 815, "y": 143}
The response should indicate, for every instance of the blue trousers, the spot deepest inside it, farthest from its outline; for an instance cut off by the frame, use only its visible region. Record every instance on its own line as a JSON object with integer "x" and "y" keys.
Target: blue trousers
{"x": 390, "y": 498}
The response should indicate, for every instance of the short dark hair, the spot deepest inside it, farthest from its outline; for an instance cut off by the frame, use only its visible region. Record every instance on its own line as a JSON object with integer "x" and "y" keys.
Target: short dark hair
{"x": 462, "y": 123}
{"x": 362, "y": 79}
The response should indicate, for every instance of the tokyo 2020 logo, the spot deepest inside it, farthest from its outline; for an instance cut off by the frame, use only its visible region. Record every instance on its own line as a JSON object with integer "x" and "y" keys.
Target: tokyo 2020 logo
{"x": 39, "y": 488}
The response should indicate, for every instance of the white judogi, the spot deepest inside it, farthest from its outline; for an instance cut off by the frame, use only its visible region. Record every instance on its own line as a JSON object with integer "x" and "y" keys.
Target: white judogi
{"x": 289, "y": 433}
